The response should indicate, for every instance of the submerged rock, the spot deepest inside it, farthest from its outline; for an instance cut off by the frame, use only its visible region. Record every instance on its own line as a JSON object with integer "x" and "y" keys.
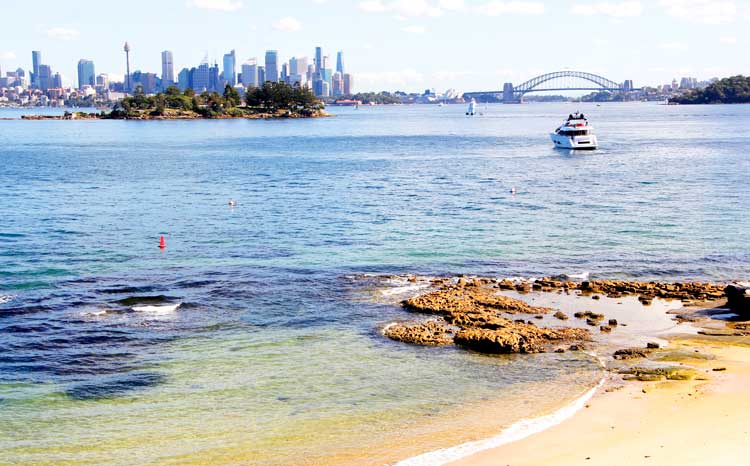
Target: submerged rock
{"x": 648, "y": 374}
{"x": 561, "y": 315}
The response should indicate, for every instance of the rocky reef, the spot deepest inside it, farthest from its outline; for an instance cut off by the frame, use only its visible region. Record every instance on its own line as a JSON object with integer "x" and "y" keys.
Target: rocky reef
{"x": 647, "y": 291}
{"x": 474, "y": 316}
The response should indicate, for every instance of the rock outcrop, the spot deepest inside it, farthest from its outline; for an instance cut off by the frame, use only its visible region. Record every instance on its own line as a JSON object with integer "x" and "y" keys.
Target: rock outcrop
{"x": 738, "y": 298}
{"x": 687, "y": 291}
{"x": 428, "y": 333}
{"x": 517, "y": 338}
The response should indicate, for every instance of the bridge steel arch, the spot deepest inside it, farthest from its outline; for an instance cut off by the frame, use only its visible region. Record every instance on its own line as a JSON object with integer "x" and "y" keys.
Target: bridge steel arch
{"x": 533, "y": 83}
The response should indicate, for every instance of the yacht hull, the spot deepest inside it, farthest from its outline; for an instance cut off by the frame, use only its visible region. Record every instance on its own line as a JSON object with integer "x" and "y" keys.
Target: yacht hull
{"x": 587, "y": 142}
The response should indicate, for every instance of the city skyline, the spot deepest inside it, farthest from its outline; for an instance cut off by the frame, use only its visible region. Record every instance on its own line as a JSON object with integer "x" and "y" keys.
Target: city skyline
{"x": 405, "y": 44}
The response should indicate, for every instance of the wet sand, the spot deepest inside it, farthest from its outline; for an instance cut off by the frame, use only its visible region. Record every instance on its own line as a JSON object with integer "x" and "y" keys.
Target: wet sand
{"x": 698, "y": 422}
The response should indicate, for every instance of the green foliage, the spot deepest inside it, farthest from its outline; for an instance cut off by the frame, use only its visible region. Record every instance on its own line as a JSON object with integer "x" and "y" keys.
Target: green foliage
{"x": 734, "y": 90}
{"x": 376, "y": 98}
{"x": 281, "y": 96}
{"x": 231, "y": 97}
{"x": 270, "y": 98}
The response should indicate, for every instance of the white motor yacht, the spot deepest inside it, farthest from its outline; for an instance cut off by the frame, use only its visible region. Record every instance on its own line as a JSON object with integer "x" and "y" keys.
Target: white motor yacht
{"x": 575, "y": 133}
{"x": 472, "y": 108}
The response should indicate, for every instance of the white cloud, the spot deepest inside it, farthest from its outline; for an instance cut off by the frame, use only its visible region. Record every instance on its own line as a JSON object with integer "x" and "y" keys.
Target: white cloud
{"x": 63, "y": 33}
{"x": 614, "y": 9}
{"x": 288, "y": 24}
{"x": 702, "y": 11}
{"x": 7, "y": 55}
{"x": 415, "y": 29}
{"x": 497, "y": 8}
{"x": 397, "y": 80}
{"x": 451, "y": 5}
{"x": 218, "y": 5}
{"x": 727, "y": 40}
{"x": 672, "y": 46}
{"x": 407, "y": 8}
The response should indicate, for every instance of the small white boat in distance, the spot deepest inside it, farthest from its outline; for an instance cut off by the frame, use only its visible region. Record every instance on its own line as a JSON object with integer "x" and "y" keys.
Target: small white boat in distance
{"x": 472, "y": 108}
{"x": 575, "y": 133}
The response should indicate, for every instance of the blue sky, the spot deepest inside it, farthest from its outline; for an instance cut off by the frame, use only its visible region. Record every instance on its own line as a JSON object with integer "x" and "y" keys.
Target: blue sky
{"x": 411, "y": 45}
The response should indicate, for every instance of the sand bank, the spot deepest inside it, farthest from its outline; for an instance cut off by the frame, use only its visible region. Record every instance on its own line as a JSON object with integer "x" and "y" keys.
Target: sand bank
{"x": 698, "y": 422}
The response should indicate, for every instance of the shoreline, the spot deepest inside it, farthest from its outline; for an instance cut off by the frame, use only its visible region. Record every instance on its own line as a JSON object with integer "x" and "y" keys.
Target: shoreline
{"x": 648, "y": 423}
{"x": 699, "y": 345}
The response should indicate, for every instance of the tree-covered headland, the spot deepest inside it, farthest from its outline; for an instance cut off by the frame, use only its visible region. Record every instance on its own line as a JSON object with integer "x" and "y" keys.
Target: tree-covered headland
{"x": 734, "y": 90}
{"x": 272, "y": 100}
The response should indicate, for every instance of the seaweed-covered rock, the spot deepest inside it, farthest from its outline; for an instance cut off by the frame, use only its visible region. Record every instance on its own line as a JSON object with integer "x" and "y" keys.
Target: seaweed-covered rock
{"x": 631, "y": 353}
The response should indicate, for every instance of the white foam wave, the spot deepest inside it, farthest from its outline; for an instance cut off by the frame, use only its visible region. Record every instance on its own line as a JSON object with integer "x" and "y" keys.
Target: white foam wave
{"x": 404, "y": 289}
{"x": 96, "y": 313}
{"x": 514, "y": 433}
{"x": 160, "y": 310}
{"x": 6, "y": 298}
{"x": 577, "y": 276}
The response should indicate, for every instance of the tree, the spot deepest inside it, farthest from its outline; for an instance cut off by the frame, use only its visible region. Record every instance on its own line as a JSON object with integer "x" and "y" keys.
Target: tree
{"x": 231, "y": 97}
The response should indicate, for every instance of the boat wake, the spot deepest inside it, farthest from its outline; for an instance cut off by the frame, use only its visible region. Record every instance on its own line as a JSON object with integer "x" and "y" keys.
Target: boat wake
{"x": 6, "y": 298}
{"x": 514, "y": 433}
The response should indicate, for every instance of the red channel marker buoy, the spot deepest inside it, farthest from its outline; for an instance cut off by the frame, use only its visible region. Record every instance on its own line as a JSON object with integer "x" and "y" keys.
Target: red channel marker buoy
{"x": 162, "y": 243}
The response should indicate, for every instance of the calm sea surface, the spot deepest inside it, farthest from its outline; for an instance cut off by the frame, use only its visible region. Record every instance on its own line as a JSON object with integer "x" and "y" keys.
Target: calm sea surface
{"x": 274, "y": 356}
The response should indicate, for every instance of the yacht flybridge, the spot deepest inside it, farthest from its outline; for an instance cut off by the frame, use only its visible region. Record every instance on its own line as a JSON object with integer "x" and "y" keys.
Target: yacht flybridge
{"x": 575, "y": 133}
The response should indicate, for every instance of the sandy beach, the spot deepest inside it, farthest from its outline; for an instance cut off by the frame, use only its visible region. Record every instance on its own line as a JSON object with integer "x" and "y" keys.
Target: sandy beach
{"x": 696, "y": 422}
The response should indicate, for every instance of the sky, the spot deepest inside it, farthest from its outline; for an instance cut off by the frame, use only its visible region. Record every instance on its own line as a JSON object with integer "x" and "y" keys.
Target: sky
{"x": 409, "y": 45}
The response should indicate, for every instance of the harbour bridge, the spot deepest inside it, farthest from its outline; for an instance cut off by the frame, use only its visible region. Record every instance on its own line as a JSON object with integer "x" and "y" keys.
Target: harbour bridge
{"x": 556, "y": 81}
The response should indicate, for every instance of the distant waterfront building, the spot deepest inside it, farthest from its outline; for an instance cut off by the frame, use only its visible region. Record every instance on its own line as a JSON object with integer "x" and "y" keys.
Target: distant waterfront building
{"x": 272, "y": 66}
{"x": 688, "y": 83}
{"x": 261, "y": 75}
{"x": 628, "y": 85}
{"x": 148, "y": 82}
{"x": 36, "y": 60}
{"x": 86, "y": 73}
{"x": 338, "y": 84}
{"x": 167, "y": 69}
{"x": 250, "y": 73}
{"x": 230, "y": 68}
{"x": 340, "y": 62}
{"x": 298, "y": 65}
{"x": 348, "y": 84}
{"x": 102, "y": 83}
{"x": 57, "y": 81}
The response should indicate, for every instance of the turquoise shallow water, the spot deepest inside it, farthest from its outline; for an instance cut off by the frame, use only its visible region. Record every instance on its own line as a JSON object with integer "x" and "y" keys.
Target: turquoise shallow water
{"x": 273, "y": 356}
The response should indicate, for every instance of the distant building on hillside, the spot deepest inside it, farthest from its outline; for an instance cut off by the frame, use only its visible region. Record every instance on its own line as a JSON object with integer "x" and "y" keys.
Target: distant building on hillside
{"x": 229, "y": 73}
{"x": 272, "y": 66}
{"x": 167, "y": 69}
{"x": 86, "y": 73}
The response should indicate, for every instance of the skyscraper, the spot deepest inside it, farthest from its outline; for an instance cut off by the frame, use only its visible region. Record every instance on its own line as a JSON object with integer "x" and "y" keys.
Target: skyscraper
{"x": 201, "y": 77}
{"x": 318, "y": 59}
{"x": 250, "y": 73}
{"x": 261, "y": 75}
{"x": 338, "y": 85}
{"x": 36, "y": 60}
{"x": 126, "y": 48}
{"x": 184, "y": 79}
{"x": 340, "y": 62}
{"x": 214, "y": 83}
{"x": 86, "y": 73}
{"x": 230, "y": 68}
{"x": 348, "y": 84}
{"x": 167, "y": 69}
{"x": 45, "y": 77}
{"x": 272, "y": 66}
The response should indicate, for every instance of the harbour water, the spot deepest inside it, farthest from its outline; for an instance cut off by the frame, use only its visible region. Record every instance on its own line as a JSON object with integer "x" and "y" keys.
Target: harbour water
{"x": 273, "y": 355}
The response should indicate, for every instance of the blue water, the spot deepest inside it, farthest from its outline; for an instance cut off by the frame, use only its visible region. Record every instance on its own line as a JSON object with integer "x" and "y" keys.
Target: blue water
{"x": 418, "y": 189}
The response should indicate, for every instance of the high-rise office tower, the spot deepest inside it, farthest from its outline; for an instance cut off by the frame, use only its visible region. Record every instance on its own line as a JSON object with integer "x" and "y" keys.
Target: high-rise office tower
{"x": 298, "y": 65}
{"x": 272, "y": 66}
{"x": 338, "y": 84}
{"x": 340, "y": 62}
{"x": 318, "y": 59}
{"x": 184, "y": 79}
{"x": 214, "y": 83}
{"x": 126, "y": 48}
{"x": 45, "y": 77}
{"x": 348, "y": 84}
{"x": 57, "y": 81}
{"x": 284, "y": 73}
{"x": 36, "y": 61}
{"x": 201, "y": 77}
{"x": 230, "y": 68}
{"x": 250, "y": 73}
{"x": 86, "y": 73}
{"x": 102, "y": 82}
{"x": 261, "y": 75}
{"x": 167, "y": 69}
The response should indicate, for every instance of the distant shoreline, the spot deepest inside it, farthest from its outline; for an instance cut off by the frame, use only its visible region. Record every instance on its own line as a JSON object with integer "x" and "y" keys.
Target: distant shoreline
{"x": 82, "y": 116}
